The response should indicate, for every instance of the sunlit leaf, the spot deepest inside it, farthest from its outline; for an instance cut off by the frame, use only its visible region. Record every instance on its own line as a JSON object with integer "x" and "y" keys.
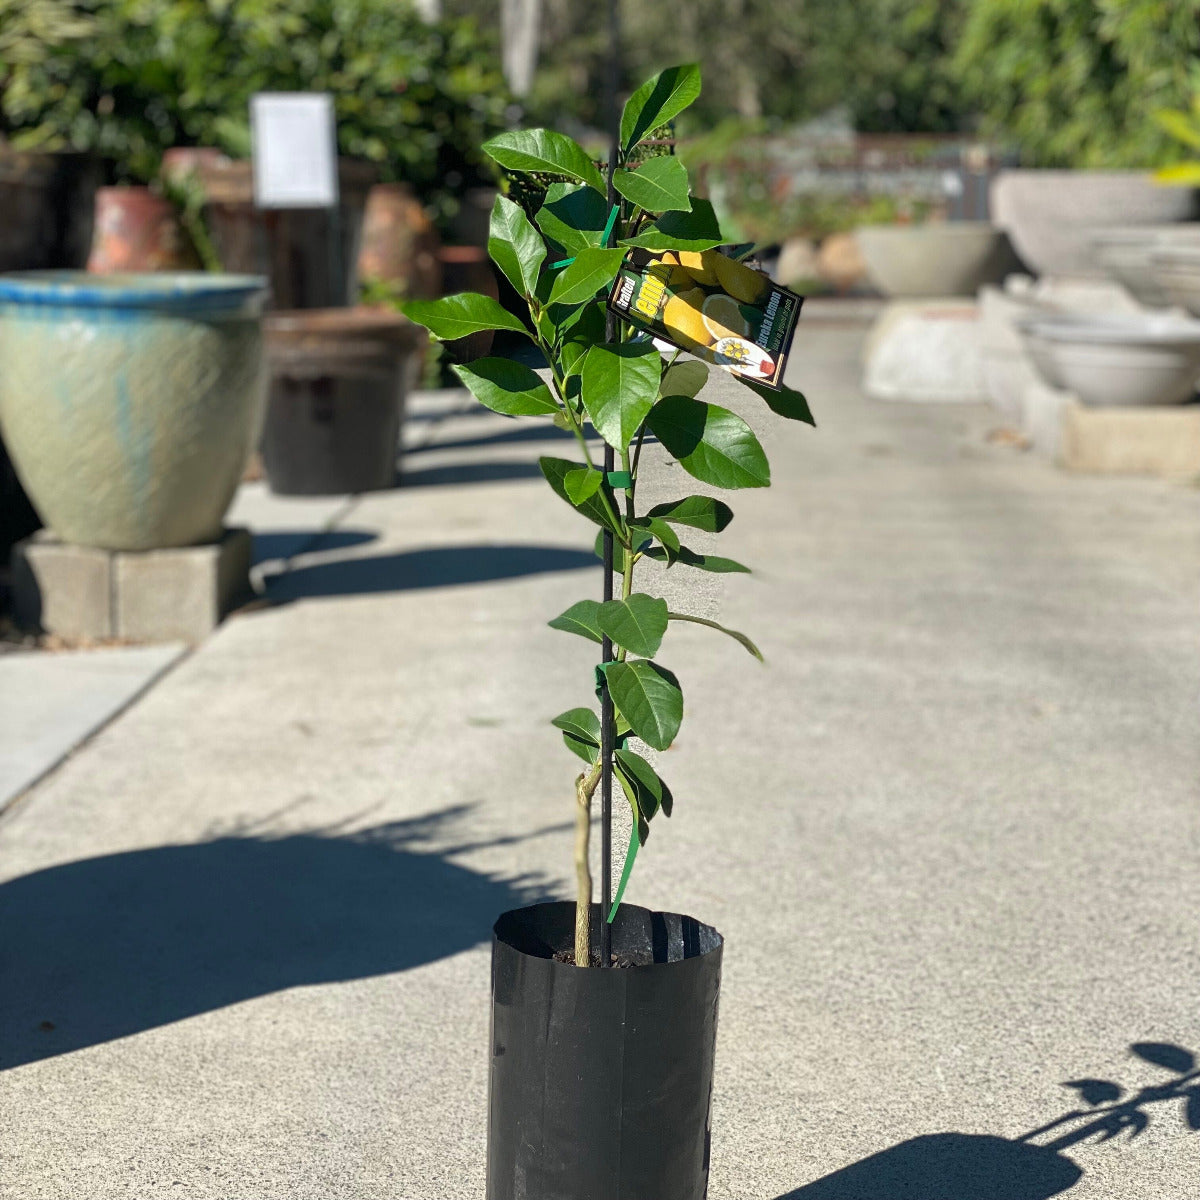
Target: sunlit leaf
{"x": 657, "y": 101}
{"x": 649, "y": 698}
{"x": 544, "y": 150}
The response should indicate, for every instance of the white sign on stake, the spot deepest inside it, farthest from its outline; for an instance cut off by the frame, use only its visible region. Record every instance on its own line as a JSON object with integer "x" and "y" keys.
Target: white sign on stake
{"x": 294, "y": 138}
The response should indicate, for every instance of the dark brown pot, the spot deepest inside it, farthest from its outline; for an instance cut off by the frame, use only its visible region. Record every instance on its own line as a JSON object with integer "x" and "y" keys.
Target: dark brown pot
{"x": 468, "y": 269}
{"x": 399, "y": 244}
{"x": 46, "y": 209}
{"x": 338, "y": 384}
{"x": 294, "y": 247}
{"x": 138, "y": 230}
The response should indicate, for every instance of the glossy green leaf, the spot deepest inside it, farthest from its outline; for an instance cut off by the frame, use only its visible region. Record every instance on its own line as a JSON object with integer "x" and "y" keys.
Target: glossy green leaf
{"x": 582, "y": 484}
{"x": 580, "y": 618}
{"x": 649, "y": 698}
{"x": 733, "y": 633}
{"x": 698, "y": 512}
{"x": 685, "y": 378}
{"x": 641, "y": 529}
{"x": 581, "y": 732}
{"x": 695, "y": 230}
{"x": 573, "y": 216}
{"x": 544, "y": 150}
{"x": 620, "y": 386}
{"x": 783, "y": 403}
{"x": 642, "y": 783}
{"x": 712, "y": 563}
{"x": 637, "y": 623}
{"x": 710, "y": 442}
{"x": 593, "y": 269}
{"x": 657, "y": 101}
{"x": 556, "y": 471}
{"x": 658, "y": 185}
{"x": 507, "y": 387}
{"x": 458, "y": 316}
{"x": 515, "y": 246}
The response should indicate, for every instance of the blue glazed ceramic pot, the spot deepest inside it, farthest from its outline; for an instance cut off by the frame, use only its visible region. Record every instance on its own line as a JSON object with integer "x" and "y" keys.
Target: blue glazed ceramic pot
{"x": 130, "y": 403}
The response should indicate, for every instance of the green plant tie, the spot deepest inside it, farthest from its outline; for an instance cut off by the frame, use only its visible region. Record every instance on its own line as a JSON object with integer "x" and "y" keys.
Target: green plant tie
{"x": 612, "y": 220}
{"x": 630, "y": 855}
{"x": 619, "y": 479}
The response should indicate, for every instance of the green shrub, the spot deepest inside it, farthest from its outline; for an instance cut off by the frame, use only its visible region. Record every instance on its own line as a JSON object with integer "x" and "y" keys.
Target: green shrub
{"x": 1075, "y": 83}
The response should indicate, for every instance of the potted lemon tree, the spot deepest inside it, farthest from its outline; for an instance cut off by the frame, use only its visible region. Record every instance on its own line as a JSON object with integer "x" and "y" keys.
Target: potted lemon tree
{"x": 604, "y": 1015}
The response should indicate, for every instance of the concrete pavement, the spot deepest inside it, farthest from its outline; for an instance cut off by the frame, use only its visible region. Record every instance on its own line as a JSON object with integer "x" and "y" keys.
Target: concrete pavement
{"x": 950, "y": 832}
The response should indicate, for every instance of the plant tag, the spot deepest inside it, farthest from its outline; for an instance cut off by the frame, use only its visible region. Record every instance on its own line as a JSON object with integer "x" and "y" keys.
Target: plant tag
{"x": 714, "y": 307}
{"x": 294, "y": 150}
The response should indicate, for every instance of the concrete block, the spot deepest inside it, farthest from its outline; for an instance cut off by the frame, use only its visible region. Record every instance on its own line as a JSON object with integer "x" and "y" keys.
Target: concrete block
{"x": 1042, "y": 415}
{"x": 925, "y": 351}
{"x": 179, "y": 594}
{"x": 1132, "y": 441}
{"x": 62, "y": 589}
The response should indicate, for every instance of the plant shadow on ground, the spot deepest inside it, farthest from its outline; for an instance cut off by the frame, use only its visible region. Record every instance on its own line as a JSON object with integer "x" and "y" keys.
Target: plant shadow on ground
{"x": 438, "y": 566}
{"x": 965, "y": 1166}
{"x": 105, "y": 947}
{"x": 286, "y": 543}
{"x": 517, "y": 436}
{"x": 487, "y": 471}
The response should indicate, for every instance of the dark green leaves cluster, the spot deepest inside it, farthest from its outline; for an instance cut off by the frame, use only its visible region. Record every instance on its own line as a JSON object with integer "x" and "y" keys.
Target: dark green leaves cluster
{"x": 625, "y": 391}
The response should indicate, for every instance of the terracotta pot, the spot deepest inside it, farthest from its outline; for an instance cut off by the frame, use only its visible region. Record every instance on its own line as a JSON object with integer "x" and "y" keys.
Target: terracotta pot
{"x": 468, "y": 269}
{"x": 46, "y": 209}
{"x": 309, "y": 255}
{"x": 138, "y": 230}
{"x": 399, "y": 244}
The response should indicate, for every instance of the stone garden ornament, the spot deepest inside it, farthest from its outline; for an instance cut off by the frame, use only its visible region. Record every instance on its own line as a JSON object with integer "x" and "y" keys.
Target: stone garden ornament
{"x": 601, "y": 1078}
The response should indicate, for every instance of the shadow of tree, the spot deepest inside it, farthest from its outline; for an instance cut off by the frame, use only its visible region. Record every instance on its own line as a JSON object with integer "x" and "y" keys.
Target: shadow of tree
{"x": 287, "y": 543}
{"x": 440, "y": 566}
{"x": 105, "y": 947}
{"x": 963, "y": 1166}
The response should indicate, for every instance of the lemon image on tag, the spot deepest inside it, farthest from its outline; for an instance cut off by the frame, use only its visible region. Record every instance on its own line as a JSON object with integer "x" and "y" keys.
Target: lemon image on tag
{"x": 740, "y": 281}
{"x": 682, "y": 314}
{"x": 700, "y": 266}
{"x": 723, "y": 318}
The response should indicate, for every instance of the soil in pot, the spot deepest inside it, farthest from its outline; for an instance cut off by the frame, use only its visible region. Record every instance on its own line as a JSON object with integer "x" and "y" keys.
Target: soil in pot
{"x": 601, "y": 1080}
{"x": 338, "y": 383}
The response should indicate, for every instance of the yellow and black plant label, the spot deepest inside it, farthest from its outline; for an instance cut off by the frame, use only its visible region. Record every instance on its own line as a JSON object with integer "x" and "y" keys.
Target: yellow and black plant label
{"x": 712, "y": 306}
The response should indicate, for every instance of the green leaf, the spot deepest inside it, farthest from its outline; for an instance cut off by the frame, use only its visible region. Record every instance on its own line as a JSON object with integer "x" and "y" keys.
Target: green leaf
{"x": 544, "y": 150}
{"x": 573, "y": 216}
{"x": 784, "y": 403}
{"x": 660, "y": 185}
{"x": 642, "y": 784}
{"x": 710, "y": 442}
{"x": 618, "y": 553}
{"x": 507, "y": 387}
{"x": 685, "y": 378}
{"x": 453, "y": 317}
{"x": 658, "y": 101}
{"x": 713, "y": 563}
{"x": 1184, "y": 175}
{"x": 592, "y": 270}
{"x": 1180, "y": 126}
{"x": 649, "y": 698}
{"x": 582, "y": 484}
{"x": 556, "y": 471}
{"x": 653, "y": 527}
{"x": 515, "y": 246}
{"x": 695, "y": 230}
{"x": 637, "y": 623}
{"x": 733, "y": 633}
{"x": 581, "y": 732}
{"x": 699, "y": 512}
{"x": 580, "y": 618}
{"x": 620, "y": 385}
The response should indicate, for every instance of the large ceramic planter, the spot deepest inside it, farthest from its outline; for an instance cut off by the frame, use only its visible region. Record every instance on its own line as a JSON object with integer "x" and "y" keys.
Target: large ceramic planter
{"x": 136, "y": 229}
{"x": 950, "y": 259}
{"x": 338, "y": 383}
{"x": 601, "y": 1080}
{"x": 310, "y": 255}
{"x": 1176, "y": 269}
{"x": 1128, "y": 253}
{"x": 1051, "y": 215}
{"x": 129, "y": 403}
{"x": 45, "y": 209}
{"x": 1127, "y": 361}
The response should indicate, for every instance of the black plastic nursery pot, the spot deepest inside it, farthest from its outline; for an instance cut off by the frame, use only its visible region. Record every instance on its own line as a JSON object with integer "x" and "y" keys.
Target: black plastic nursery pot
{"x": 601, "y": 1080}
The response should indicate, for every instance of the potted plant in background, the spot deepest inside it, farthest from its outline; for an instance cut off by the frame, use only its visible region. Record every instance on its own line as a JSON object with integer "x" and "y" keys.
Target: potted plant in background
{"x": 601, "y": 1078}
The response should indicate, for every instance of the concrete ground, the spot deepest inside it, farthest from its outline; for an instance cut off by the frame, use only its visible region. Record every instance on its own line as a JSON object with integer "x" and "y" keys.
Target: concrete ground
{"x": 950, "y": 832}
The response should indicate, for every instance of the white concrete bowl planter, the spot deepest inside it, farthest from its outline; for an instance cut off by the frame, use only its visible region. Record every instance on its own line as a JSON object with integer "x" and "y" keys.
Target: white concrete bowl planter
{"x": 1051, "y": 215}
{"x": 951, "y": 259}
{"x": 1119, "y": 361}
{"x": 1176, "y": 269}
{"x": 1128, "y": 253}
